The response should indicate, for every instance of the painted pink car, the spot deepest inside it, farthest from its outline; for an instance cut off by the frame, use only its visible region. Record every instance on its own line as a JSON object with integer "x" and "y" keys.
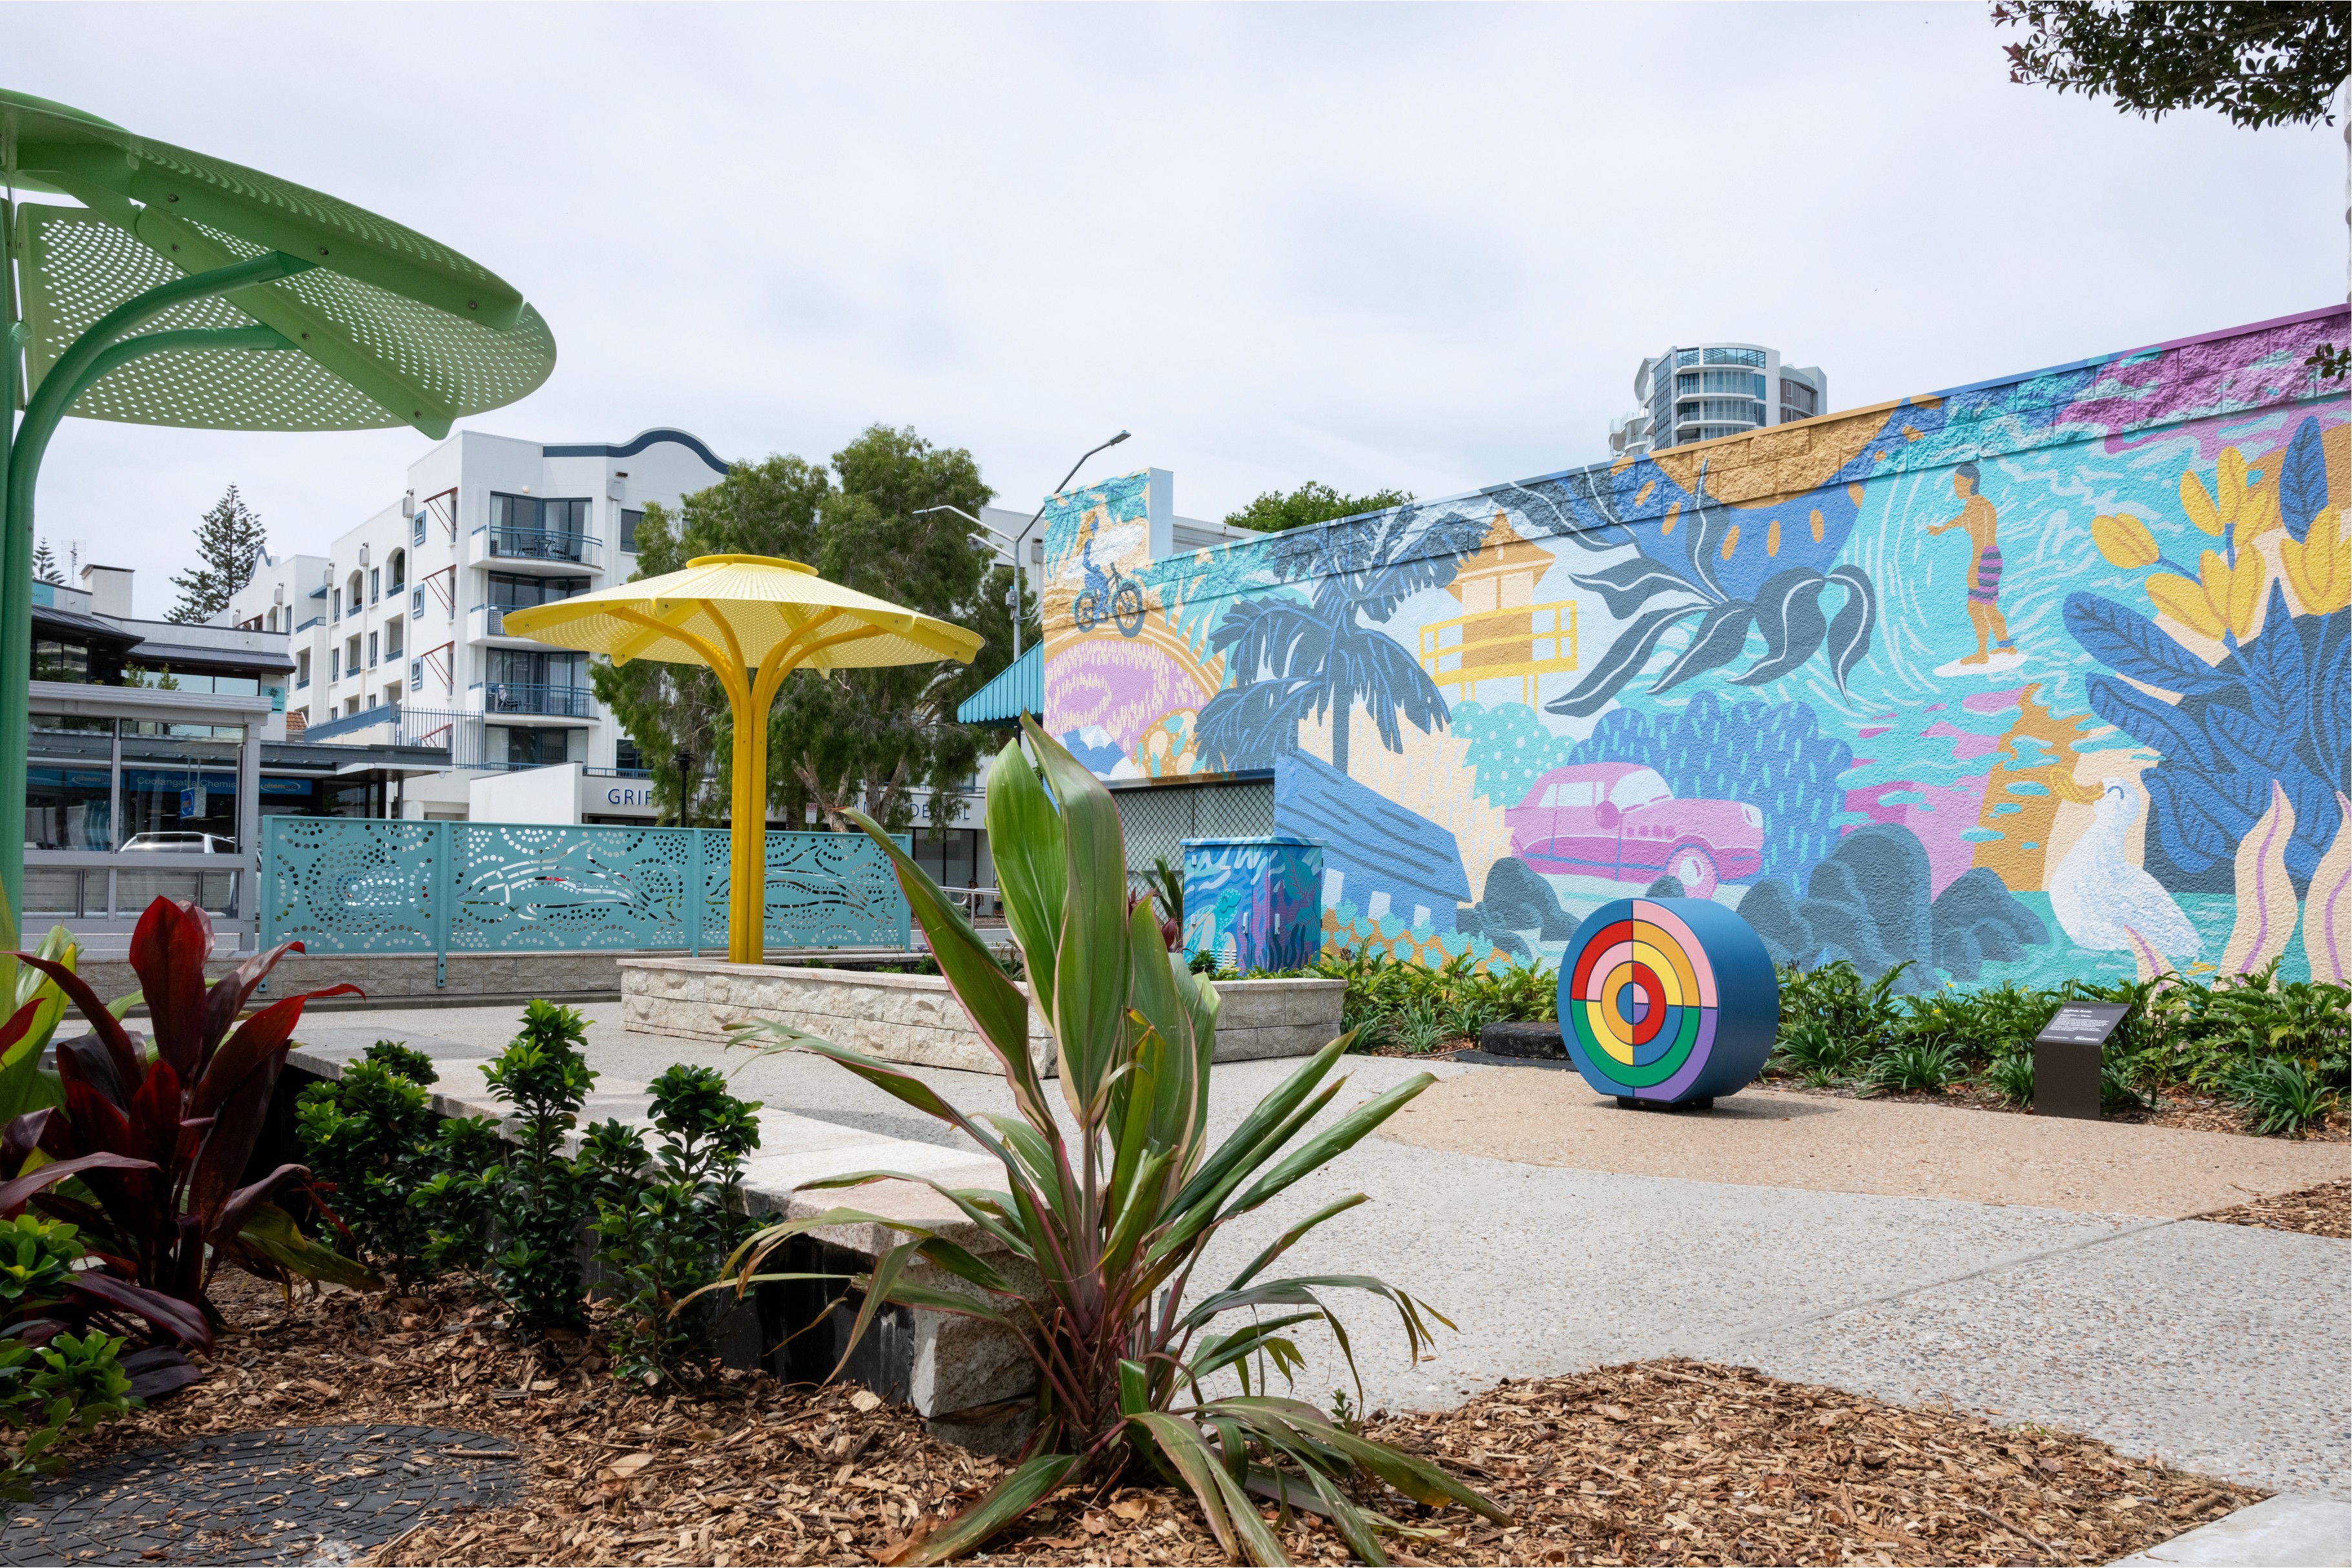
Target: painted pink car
{"x": 1620, "y": 821}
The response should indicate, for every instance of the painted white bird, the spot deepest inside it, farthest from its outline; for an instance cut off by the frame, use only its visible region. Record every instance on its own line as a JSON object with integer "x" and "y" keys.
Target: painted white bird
{"x": 2097, "y": 891}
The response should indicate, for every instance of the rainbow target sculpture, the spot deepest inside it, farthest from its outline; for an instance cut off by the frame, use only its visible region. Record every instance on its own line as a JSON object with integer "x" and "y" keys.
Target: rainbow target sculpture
{"x": 1667, "y": 1001}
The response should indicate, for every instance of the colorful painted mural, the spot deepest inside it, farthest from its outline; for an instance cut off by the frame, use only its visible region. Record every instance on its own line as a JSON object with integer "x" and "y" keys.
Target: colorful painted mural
{"x": 1253, "y": 902}
{"x": 2043, "y": 677}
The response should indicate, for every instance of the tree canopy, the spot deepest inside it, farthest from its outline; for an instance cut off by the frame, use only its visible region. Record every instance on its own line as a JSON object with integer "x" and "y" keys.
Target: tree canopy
{"x": 2260, "y": 64}
{"x": 1310, "y": 503}
{"x": 882, "y": 739}
{"x": 229, "y": 541}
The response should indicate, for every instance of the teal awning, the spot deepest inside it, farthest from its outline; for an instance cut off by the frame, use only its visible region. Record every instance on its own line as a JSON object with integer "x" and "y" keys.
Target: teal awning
{"x": 1019, "y": 689}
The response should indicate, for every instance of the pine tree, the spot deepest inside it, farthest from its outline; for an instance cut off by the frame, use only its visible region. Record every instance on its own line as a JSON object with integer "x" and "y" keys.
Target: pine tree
{"x": 45, "y": 564}
{"x": 229, "y": 541}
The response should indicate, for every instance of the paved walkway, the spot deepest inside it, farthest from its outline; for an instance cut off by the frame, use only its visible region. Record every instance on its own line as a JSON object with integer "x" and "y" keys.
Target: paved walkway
{"x": 2219, "y": 1347}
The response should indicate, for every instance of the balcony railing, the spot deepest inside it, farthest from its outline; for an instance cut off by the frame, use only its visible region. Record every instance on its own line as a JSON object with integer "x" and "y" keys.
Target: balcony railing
{"x": 310, "y": 623}
{"x": 503, "y": 543}
{"x": 547, "y": 702}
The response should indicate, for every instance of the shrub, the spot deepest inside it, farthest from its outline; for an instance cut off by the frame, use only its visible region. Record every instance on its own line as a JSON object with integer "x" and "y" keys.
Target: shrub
{"x": 1415, "y": 1026}
{"x": 1834, "y": 996}
{"x": 2011, "y": 1077}
{"x": 1913, "y": 1066}
{"x": 2278, "y": 1095}
{"x": 665, "y": 1237}
{"x": 1814, "y": 1056}
{"x": 1115, "y": 1209}
{"x": 190, "y": 1098}
{"x": 525, "y": 1213}
{"x": 371, "y": 1135}
{"x": 54, "y": 1390}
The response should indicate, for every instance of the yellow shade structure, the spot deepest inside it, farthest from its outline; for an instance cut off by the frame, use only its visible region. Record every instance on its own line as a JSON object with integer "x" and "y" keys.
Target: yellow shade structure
{"x": 752, "y": 620}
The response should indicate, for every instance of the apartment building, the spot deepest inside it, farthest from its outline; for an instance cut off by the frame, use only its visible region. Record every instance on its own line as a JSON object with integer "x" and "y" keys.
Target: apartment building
{"x": 397, "y": 631}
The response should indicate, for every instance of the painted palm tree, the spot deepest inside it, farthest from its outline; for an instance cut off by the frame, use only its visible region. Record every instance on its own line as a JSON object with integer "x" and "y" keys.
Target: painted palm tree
{"x": 1295, "y": 656}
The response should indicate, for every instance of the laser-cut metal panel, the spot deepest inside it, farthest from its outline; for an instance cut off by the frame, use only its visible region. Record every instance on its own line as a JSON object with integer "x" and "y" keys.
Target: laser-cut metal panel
{"x": 347, "y": 885}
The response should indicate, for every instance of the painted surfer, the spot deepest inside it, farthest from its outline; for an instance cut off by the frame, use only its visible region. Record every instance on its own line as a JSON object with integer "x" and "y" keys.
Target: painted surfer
{"x": 1978, "y": 518}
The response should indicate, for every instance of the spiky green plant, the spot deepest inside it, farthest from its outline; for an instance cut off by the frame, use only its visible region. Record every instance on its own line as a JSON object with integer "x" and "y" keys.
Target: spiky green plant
{"x": 1114, "y": 1200}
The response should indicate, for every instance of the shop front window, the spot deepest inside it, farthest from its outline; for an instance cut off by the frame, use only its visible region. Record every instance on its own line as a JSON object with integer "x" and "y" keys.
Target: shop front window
{"x": 55, "y": 734}
{"x": 67, "y": 662}
{"x": 69, "y": 807}
{"x": 179, "y": 800}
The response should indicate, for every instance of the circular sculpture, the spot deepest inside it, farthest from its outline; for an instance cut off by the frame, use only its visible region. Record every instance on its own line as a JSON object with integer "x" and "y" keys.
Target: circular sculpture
{"x": 1667, "y": 1001}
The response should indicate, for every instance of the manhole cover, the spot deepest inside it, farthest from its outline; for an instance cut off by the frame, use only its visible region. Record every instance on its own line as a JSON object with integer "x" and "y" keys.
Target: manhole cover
{"x": 299, "y": 1494}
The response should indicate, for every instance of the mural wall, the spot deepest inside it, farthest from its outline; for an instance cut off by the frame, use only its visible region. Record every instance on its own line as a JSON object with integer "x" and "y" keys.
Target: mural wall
{"x": 2043, "y": 677}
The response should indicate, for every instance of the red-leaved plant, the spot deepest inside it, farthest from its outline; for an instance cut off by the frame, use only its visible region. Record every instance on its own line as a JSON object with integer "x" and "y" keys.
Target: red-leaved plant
{"x": 158, "y": 1130}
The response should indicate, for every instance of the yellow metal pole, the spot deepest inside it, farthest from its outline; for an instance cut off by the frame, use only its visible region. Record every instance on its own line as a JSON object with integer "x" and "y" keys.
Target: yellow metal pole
{"x": 735, "y": 946}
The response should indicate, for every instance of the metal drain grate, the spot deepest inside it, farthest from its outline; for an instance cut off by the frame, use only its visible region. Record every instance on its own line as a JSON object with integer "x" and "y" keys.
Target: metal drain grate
{"x": 298, "y": 1494}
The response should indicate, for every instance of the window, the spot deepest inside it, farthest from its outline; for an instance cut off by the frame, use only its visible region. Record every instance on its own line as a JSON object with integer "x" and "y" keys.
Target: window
{"x": 69, "y": 807}
{"x": 416, "y": 535}
{"x": 1638, "y": 788}
{"x": 399, "y": 571}
{"x": 1798, "y": 401}
{"x": 354, "y": 587}
{"x": 334, "y": 664}
{"x": 352, "y": 655}
{"x": 537, "y": 747}
{"x": 1742, "y": 383}
{"x": 392, "y": 643}
{"x": 60, "y": 661}
{"x": 563, "y": 516}
{"x": 339, "y": 605}
{"x": 1720, "y": 409}
{"x": 1550, "y": 797}
{"x": 1736, "y": 357}
{"x": 302, "y": 669}
{"x": 627, "y": 757}
{"x": 170, "y": 680}
{"x": 629, "y": 521}
{"x": 1685, "y": 356}
{"x": 71, "y": 734}
{"x": 521, "y": 666}
{"x": 511, "y": 591}
{"x": 371, "y": 650}
{"x": 1578, "y": 794}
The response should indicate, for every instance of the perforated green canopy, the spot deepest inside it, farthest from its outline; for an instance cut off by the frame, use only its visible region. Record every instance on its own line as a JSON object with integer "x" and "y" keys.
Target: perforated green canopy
{"x": 391, "y": 327}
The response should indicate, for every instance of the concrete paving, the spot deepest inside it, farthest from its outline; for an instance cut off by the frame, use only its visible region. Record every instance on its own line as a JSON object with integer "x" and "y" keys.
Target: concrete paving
{"x": 2219, "y": 1348}
{"x": 2290, "y": 1531}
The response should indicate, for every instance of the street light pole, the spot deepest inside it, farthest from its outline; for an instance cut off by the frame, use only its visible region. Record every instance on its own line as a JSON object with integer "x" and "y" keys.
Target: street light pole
{"x": 1020, "y": 539}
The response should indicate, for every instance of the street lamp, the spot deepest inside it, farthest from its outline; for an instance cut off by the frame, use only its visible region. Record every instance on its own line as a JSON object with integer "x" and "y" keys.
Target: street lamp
{"x": 1015, "y": 544}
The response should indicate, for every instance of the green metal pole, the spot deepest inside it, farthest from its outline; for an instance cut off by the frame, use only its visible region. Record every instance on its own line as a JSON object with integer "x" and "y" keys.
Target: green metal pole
{"x": 90, "y": 356}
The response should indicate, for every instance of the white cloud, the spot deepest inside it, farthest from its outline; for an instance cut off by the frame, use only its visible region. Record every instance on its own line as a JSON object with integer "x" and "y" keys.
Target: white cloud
{"x": 1418, "y": 247}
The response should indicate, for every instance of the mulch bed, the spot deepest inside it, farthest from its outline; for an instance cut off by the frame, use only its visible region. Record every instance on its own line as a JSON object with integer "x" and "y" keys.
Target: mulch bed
{"x": 1664, "y": 1461}
{"x": 2321, "y": 1210}
{"x": 2179, "y": 1108}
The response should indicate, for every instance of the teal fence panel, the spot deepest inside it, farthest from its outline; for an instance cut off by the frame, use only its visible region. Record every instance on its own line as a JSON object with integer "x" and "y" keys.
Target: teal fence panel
{"x": 341, "y": 884}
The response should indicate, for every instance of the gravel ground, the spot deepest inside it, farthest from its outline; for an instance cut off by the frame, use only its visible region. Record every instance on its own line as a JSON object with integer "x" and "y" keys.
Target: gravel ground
{"x": 2213, "y": 1346}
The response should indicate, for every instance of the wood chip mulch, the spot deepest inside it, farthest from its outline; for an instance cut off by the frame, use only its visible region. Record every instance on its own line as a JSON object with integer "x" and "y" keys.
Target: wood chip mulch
{"x": 1663, "y": 1461}
{"x": 2321, "y": 1210}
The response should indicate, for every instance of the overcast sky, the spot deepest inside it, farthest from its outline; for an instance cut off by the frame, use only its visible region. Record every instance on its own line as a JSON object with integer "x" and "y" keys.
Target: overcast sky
{"x": 1420, "y": 246}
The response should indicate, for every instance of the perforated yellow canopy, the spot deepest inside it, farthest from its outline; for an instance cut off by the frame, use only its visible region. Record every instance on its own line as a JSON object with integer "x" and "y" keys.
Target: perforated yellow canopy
{"x": 751, "y": 620}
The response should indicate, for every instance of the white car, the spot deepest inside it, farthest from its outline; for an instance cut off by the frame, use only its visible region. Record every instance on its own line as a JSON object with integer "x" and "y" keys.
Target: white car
{"x": 181, "y": 843}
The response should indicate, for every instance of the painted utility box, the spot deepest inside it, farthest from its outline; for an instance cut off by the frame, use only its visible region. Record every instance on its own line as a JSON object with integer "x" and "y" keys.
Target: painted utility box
{"x": 1256, "y": 902}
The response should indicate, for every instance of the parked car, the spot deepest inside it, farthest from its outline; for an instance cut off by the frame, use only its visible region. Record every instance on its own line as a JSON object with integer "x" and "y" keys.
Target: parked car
{"x": 181, "y": 843}
{"x": 1620, "y": 821}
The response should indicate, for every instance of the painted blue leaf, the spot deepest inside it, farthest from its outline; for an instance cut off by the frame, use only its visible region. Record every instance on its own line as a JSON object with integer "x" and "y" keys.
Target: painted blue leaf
{"x": 2249, "y": 746}
{"x": 2278, "y": 690}
{"x": 2331, "y": 697}
{"x": 2152, "y": 722}
{"x": 2303, "y": 482}
{"x": 2131, "y": 645}
{"x": 2182, "y": 809}
{"x": 1848, "y": 638}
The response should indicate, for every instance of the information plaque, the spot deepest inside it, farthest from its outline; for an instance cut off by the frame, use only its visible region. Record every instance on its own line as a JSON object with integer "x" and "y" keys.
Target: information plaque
{"x": 2066, "y": 1058}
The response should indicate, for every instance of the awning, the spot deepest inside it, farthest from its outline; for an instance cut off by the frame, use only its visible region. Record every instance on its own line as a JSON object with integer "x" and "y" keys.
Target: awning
{"x": 1020, "y": 688}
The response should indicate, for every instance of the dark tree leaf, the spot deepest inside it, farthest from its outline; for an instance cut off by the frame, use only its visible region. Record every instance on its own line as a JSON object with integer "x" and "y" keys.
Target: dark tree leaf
{"x": 1622, "y": 661}
{"x": 1788, "y": 614}
{"x": 1718, "y": 641}
{"x": 2278, "y": 690}
{"x": 1629, "y": 584}
{"x": 1848, "y": 638}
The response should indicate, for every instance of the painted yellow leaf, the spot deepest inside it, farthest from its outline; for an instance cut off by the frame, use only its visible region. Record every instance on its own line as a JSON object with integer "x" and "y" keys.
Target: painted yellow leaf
{"x": 2124, "y": 540}
{"x": 2234, "y": 593}
{"x": 2327, "y": 904}
{"x": 2229, "y": 483}
{"x": 1816, "y": 521}
{"x": 2257, "y": 515}
{"x": 2319, "y": 569}
{"x": 2185, "y": 602}
{"x": 1731, "y": 541}
{"x": 1773, "y": 538}
{"x": 2198, "y": 504}
{"x": 2265, "y": 894}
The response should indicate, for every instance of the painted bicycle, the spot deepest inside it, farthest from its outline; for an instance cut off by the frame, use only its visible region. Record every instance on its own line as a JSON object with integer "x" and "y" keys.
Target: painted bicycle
{"x": 1109, "y": 595}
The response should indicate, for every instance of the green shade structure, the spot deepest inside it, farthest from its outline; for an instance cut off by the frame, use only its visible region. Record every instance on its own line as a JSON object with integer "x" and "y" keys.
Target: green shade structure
{"x": 185, "y": 289}
{"x": 751, "y": 620}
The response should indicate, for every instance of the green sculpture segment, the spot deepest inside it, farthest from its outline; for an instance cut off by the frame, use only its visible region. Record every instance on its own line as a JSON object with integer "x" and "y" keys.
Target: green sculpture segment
{"x": 272, "y": 306}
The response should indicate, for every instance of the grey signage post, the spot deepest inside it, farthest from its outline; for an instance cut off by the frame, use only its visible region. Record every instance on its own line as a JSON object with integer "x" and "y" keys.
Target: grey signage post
{"x": 2066, "y": 1059}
